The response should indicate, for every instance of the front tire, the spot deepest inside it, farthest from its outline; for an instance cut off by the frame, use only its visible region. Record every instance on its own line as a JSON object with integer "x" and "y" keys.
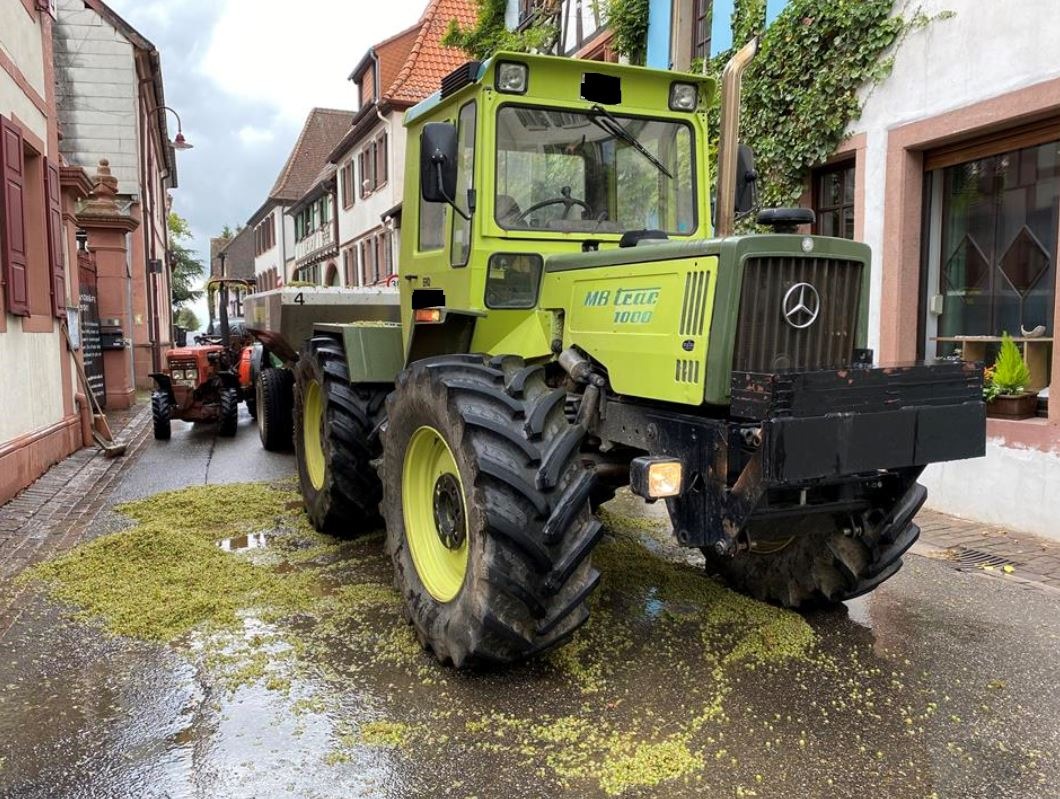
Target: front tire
{"x": 487, "y": 509}
{"x": 161, "y": 409}
{"x": 229, "y": 418}
{"x": 274, "y": 398}
{"x": 820, "y": 563}
{"x": 336, "y": 442}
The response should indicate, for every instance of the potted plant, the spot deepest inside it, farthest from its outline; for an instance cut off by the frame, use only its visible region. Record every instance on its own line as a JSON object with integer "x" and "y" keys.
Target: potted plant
{"x": 1005, "y": 385}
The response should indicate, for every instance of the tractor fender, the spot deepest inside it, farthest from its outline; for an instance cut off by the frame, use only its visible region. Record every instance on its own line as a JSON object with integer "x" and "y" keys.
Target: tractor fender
{"x": 258, "y": 361}
{"x": 165, "y": 384}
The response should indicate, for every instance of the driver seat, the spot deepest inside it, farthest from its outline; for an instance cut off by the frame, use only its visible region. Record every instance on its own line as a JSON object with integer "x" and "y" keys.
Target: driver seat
{"x": 507, "y": 210}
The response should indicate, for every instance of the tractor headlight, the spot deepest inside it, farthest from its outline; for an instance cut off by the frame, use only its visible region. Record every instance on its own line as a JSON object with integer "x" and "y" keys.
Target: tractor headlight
{"x": 177, "y": 374}
{"x": 512, "y": 78}
{"x": 683, "y": 96}
{"x": 191, "y": 375}
{"x": 656, "y": 477}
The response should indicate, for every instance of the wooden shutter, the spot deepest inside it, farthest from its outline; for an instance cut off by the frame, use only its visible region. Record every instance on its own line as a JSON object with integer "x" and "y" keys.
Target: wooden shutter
{"x": 13, "y": 219}
{"x": 380, "y": 162}
{"x": 53, "y": 199}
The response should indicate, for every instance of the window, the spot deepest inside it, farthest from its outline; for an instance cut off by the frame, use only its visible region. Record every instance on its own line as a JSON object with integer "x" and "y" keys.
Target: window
{"x": 833, "y": 200}
{"x": 460, "y": 250}
{"x": 701, "y": 21}
{"x": 347, "y": 184}
{"x": 568, "y": 171}
{"x": 381, "y": 161}
{"x": 991, "y": 244}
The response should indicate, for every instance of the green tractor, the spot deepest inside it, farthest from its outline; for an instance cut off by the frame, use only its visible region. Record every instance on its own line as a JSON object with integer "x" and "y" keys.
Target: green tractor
{"x": 569, "y": 325}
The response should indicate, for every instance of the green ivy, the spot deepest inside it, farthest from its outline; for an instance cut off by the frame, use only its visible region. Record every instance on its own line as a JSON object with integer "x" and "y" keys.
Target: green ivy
{"x": 800, "y": 95}
{"x": 491, "y": 35}
{"x": 628, "y": 20}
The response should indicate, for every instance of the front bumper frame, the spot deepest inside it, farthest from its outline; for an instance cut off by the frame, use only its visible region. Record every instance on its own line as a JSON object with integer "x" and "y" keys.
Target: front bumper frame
{"x": 845, "y": 436}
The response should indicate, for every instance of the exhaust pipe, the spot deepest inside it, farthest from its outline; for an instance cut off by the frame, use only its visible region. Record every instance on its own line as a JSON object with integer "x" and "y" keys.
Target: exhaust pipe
{"x": 729, "y": 139}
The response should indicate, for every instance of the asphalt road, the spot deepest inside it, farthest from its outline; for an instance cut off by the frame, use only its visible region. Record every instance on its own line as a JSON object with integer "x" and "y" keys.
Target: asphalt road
{"x": 940, "y": 684}
{"x": 196, "y": 455}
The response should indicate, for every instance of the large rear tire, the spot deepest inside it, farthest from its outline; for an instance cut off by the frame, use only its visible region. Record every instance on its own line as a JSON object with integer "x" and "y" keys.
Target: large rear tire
{"x": 274, "y": 390}
{"x": 229, "y": 419}
{"x": 817, "y": 562}
{"x": 486, "y": 502}
{"x": 161, "y": 408}
{"x": 336, "y": 441}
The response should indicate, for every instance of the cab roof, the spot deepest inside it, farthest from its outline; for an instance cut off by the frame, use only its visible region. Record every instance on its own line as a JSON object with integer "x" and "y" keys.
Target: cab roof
{"x": 640, "y": 84}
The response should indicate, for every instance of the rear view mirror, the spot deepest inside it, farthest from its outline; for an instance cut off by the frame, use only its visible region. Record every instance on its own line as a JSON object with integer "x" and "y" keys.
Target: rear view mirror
{"x": 438, "y": 162}
{"x": 746, "y": 181}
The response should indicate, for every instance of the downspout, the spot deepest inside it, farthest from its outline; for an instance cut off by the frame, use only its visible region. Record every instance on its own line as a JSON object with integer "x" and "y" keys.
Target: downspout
{"x": 148, "y": 223}
{"x": 729, "y": 140}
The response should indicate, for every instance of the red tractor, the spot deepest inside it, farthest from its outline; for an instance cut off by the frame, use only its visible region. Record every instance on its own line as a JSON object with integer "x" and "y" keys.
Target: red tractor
{"x": 206, "y": 382}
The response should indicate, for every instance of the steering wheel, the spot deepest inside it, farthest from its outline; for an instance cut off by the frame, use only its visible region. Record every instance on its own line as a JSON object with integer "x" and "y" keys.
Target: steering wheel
{"x": 565, "y": 200}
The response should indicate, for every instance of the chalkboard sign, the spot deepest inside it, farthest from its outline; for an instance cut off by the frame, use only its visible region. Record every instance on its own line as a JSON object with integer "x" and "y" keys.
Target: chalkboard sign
{"x": 91, "y": 344}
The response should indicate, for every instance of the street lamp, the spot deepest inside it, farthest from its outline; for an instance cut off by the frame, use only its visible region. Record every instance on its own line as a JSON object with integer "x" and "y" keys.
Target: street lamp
{"x": 179, "y": 142}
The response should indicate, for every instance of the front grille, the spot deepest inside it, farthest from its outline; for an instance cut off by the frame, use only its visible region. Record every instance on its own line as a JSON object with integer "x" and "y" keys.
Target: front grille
{"x": 766, "y": 342}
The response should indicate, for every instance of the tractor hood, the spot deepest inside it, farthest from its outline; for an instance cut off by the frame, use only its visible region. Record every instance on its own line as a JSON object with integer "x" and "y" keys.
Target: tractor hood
{"x": 673, "y": 320}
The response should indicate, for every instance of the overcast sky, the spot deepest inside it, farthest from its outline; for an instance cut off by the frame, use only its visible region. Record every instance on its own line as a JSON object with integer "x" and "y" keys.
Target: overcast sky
{"x": 243, "y": 74}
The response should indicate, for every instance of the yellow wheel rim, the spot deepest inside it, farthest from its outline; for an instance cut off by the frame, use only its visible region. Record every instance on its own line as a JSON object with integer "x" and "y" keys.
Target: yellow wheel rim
{"x": 432, "y": 496}
{"x": 312, "y": 438}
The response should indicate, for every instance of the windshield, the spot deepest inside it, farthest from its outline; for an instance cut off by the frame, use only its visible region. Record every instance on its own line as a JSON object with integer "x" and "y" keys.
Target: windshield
{"x": 593, "y": 172}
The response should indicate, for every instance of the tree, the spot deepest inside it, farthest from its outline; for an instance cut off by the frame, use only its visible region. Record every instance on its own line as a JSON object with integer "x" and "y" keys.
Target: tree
{"x": 186, "y": 318}
{"x": 185, "y": 266}
{"x": 226, "y": 232}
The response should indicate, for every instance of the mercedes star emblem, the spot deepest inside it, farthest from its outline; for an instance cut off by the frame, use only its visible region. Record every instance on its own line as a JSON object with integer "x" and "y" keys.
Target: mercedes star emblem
{"x": 802, "y": 305}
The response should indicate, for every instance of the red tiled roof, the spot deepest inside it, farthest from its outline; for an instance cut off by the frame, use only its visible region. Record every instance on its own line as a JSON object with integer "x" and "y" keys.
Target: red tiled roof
{"x": 324, "y": 128}
{"x": 429, "y": 61}
{"x": 392, "y": 54}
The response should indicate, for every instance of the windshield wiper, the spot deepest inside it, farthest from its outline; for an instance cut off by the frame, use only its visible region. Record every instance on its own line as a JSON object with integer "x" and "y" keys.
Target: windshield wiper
{"x": 609, "y": 124}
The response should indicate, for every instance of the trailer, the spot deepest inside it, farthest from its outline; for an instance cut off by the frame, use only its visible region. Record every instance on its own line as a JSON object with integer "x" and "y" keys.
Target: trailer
{"x": 281, "y": 321}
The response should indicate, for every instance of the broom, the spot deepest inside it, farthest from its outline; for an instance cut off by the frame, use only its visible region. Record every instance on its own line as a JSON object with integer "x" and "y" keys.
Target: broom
{"x": 105, "y": 443}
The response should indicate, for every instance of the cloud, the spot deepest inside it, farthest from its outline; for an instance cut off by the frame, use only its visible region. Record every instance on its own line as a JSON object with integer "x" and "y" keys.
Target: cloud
{"x": 243, "y": 75}
{"x": 250, "y": 135}
{"x": 291, "y": 56}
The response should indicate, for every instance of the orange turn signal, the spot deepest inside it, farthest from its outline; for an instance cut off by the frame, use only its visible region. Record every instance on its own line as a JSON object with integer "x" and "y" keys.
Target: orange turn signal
{"x": 428, "y": 315}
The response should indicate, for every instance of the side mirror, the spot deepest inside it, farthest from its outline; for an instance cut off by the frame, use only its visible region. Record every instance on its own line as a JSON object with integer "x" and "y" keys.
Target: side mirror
{"x": 438, "y": 162}
{"x": 746, "y": 181}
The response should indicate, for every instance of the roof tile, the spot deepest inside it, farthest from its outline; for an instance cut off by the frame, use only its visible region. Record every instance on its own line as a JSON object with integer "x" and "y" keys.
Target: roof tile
{"x": 429, "y": 61}
{"x": 324, "y": 128}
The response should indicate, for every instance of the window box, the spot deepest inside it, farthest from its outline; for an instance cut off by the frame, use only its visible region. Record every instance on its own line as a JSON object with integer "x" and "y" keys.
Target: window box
{"x": 1013, "y": 406}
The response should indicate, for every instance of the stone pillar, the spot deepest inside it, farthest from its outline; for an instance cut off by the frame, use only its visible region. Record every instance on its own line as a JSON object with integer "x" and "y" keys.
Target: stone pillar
{"x": 108, "y": 230}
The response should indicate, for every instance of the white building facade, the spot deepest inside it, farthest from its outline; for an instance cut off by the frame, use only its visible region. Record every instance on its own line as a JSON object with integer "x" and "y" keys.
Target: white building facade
{"x": 953, "y": 175}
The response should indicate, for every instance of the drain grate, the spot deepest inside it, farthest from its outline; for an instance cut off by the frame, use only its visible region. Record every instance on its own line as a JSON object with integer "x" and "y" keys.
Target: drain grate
{"x": 968, "y": 558}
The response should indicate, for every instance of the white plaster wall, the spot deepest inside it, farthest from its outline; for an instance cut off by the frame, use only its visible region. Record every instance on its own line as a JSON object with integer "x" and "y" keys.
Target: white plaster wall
{"x": 20, "y": 39}
{"x": 96, "y": 93}
{"x": 366, "y": 213}
{"x": 1012, "y": 487}
{"x": 31, "y": 393}
{"x": 283, "y": 248}
{"x": 984, "y": 50}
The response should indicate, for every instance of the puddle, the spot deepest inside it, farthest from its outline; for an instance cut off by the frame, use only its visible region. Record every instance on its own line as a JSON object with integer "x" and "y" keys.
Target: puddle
{"x": 244, "y": 542}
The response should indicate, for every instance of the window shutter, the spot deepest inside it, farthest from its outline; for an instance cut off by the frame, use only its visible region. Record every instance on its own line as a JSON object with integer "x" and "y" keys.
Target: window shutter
{"x": 382, "y": 159}
{"x": 13, "y": 219}
{"x": 53, "y": 198}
